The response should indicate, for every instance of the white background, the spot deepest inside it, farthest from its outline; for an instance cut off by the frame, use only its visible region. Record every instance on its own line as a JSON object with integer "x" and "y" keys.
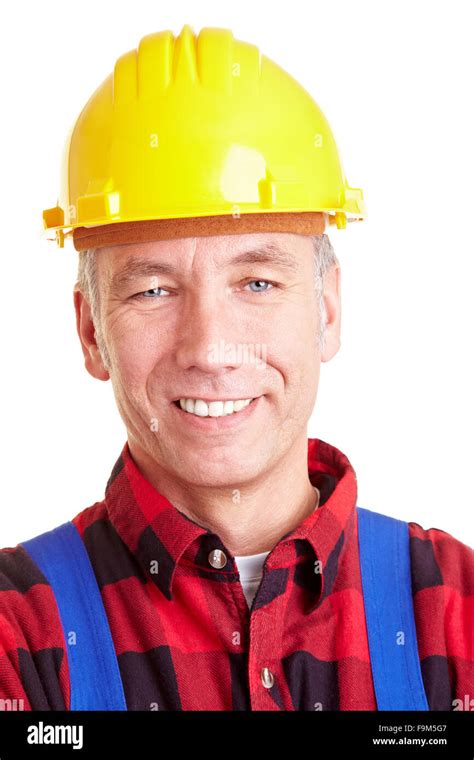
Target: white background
{"x": 395, "y": 82}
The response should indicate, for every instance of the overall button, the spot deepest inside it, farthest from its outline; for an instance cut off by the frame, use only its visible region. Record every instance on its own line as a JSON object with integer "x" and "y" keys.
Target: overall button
{"x": 267, "y": 678}
{"x": 217, "y": 559}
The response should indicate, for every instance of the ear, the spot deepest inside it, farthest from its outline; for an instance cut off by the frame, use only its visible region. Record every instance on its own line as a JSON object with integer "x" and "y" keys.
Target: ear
{"x": 332, "y": 300}
{"x": 86, "y": 332}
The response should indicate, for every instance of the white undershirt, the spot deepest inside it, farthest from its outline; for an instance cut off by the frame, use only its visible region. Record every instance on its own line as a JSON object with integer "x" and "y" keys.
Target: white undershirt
{"x": 250, "y": 569}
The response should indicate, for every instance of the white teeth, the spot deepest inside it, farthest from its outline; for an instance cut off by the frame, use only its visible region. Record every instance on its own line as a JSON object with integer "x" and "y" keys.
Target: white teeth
{"x": 213, "y": 408}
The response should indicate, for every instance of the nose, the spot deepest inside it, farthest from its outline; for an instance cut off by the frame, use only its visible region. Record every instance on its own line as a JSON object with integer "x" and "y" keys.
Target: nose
{"x": 207, "y": 336}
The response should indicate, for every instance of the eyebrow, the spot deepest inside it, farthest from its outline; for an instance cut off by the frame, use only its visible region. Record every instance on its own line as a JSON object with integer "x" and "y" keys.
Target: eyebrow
{"x": 270, "y": 253}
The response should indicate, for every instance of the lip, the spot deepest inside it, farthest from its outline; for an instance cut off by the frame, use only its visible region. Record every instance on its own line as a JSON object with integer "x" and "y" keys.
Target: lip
{"x": 215, "y": 424}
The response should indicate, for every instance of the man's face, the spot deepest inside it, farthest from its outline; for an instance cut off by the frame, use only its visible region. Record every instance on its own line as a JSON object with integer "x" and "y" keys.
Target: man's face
{"x": 195, "y": 318}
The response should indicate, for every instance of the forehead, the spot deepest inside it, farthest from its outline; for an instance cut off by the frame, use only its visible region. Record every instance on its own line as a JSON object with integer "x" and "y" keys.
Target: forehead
{"x": 285, "y": 252}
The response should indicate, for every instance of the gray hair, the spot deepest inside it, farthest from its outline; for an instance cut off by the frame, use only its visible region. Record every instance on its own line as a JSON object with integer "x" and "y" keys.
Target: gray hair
{"x": 324, "y": 258}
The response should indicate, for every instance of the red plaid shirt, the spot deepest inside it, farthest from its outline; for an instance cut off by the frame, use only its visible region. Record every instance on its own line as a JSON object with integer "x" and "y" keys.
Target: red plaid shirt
{"x": 185, "y": 637}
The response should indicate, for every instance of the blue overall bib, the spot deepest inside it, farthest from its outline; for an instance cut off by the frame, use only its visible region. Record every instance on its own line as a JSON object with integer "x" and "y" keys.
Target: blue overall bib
{"x": 96, "y": 683}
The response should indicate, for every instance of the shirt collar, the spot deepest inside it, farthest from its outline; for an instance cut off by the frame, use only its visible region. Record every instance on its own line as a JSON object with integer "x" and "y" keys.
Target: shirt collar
{"x": 158, "y": 534}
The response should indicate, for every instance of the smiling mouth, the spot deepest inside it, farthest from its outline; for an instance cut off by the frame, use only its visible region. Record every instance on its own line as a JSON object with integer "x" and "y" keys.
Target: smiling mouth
{"x": 218, "y": 410}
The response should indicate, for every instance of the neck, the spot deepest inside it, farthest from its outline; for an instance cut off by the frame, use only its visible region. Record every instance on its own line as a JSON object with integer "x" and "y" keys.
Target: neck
{"x": 249, "y": 517}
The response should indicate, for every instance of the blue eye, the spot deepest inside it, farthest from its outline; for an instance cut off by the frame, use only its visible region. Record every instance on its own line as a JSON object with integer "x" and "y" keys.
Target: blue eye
{"x": 148, "y": 293}
{"x": 260, "y": 281}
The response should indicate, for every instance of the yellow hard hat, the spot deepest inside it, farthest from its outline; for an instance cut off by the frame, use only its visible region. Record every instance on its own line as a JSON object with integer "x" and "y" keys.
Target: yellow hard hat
{"x": 198, "y": 126}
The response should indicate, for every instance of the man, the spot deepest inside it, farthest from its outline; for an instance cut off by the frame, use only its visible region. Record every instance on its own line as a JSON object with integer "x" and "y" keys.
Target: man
{"x": 228, "y": 552}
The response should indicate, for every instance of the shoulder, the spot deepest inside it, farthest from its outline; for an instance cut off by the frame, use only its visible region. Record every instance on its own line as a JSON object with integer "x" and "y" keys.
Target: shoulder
{"x": 442, "y": 574}
{"x": 32, "y": 643}
{"x": 26, "y": 597}
{"x": 23, "y": 586}
{"x": 33, "y": 671}
{"x": 19, "y": 577}
{"x": 440, "y": 559}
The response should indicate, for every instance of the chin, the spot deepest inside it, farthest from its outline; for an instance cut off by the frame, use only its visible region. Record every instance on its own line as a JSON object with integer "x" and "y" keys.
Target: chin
{"x": 216, "y": 471}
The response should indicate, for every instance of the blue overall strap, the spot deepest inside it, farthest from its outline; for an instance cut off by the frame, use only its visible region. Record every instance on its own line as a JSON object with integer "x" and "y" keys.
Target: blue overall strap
{"x": 94, "y": 672}
{"x": 386, "y": 583}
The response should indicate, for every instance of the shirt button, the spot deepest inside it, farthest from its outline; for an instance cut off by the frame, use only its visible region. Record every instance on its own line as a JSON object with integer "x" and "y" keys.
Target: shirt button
{"x": 217, "y": 559}
{"x": 267, "y": 678}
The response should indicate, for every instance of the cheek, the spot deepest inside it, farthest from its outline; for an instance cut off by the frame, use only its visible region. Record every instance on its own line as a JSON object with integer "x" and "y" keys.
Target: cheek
{"x": 137, "y": 345}
{"x": 294, "y": 336}
{"x": 293, "y": 353}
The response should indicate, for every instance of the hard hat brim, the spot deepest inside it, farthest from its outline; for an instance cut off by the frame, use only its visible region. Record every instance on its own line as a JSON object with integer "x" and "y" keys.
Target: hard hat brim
{"x": 121, "y": 233}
